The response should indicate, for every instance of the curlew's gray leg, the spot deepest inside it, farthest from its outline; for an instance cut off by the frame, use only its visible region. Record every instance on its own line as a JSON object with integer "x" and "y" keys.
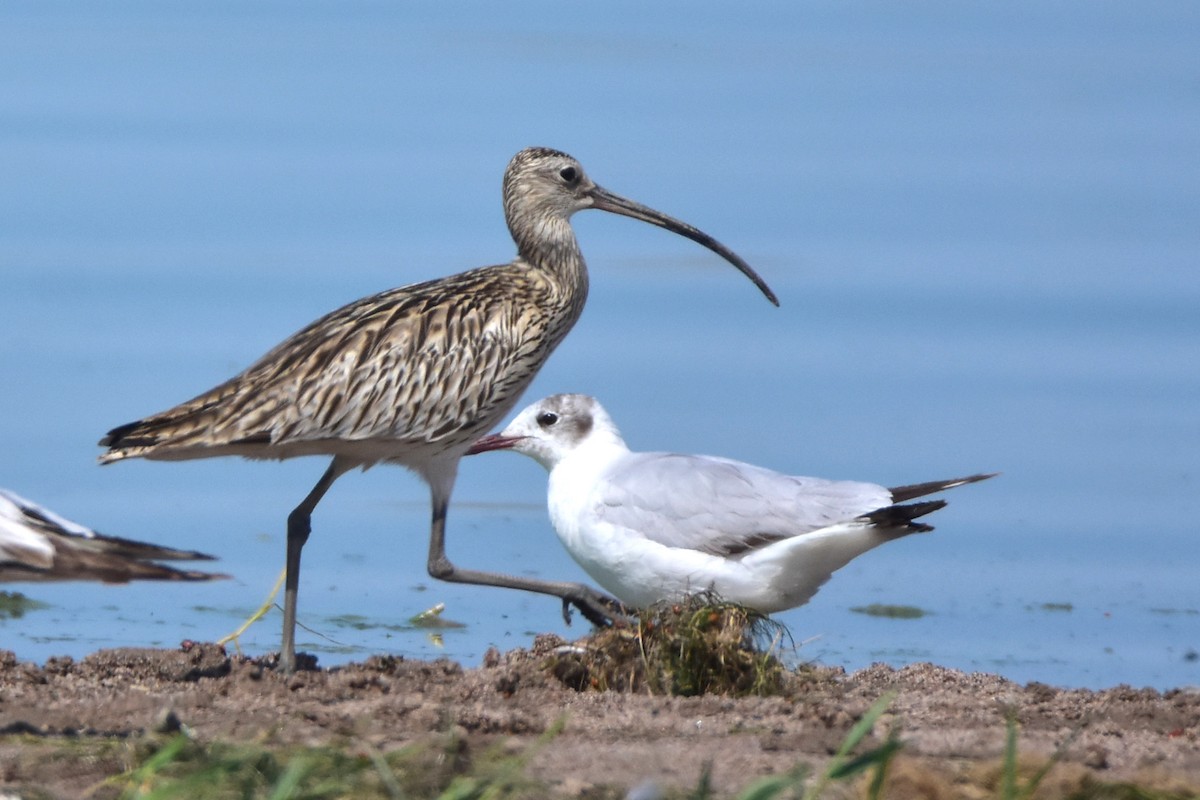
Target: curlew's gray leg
{"x": 598, "y": 608}
{"x": 299, "y": 526}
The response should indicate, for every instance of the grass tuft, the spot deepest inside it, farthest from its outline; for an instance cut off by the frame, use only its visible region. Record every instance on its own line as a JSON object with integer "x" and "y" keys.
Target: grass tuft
{"x": 700, "y": 645}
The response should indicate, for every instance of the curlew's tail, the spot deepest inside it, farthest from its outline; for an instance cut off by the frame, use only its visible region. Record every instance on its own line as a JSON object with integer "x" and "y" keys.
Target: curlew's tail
{"x": 129, "y": 440}
{"x": 187, "y": 425}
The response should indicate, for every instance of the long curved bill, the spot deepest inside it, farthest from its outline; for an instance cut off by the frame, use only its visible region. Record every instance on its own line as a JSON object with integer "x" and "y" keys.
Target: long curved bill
{"x": 607, "y": 201}
{"x": 493, "y": 441}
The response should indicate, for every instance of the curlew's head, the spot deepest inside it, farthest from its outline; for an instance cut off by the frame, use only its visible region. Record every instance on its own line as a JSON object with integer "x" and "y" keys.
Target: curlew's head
{"x": 544, "y": 187}
{"x": 552, "y": 428}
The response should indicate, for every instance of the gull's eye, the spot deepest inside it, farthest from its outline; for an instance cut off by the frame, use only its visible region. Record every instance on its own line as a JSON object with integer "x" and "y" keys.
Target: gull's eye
{"x": 569, "y": 174}
{"x": 547, "y": 418}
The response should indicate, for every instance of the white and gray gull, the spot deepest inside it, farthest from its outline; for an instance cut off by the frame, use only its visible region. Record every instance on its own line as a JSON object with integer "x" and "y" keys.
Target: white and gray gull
{"x": 38, "y": 545}
{"x": 414, "y": 375}
{"x": 656, "y": 526}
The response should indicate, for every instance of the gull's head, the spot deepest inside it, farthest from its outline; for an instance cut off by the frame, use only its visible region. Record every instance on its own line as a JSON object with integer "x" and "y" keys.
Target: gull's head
{"x": 551, "y": 429}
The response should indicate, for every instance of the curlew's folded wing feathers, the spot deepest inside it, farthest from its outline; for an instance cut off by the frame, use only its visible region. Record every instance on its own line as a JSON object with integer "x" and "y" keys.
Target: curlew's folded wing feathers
{"x": 723, "y": 507}
{"x": 357, "y": 373}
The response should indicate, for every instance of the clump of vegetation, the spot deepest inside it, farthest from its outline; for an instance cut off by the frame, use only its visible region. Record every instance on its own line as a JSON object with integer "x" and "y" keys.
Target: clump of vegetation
{"x": 700, "y": 645}
{"x": 14, "y": 605}
{"x": 1057, "y": 607}
{"x": 890, "y": 611}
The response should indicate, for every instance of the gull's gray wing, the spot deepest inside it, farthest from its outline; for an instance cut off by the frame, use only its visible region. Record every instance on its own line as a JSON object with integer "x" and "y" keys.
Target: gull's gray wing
{"x": 720, "y": 506}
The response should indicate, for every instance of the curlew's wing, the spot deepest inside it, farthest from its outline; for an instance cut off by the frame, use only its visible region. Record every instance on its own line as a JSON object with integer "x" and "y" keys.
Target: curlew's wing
{"x": 723, "y": 507}
{"x": 431, "y": 362}
{"x": 38, "y": 545}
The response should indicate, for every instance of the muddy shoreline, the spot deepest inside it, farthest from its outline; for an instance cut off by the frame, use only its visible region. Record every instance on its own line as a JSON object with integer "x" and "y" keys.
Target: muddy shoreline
{"x": 952, "y": 723}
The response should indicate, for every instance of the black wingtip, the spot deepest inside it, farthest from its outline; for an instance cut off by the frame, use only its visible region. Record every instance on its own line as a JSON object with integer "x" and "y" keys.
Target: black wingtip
{"x": 143, "y": 551}
{"x": 902, "y": 516}
{"x": 902, "y": 494}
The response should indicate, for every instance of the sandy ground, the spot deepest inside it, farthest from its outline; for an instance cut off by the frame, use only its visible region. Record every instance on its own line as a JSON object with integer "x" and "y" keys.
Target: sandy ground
{"x": 952, "y": 723}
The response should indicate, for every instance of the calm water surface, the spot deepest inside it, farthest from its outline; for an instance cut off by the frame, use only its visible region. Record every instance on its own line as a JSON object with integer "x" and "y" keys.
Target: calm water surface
{"x": 981, "y": 224}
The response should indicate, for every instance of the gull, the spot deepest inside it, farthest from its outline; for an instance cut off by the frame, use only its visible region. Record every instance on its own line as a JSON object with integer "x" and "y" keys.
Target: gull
{"x": 412, "y": 376}
{"x": 38, "y": 545}
{"x": 649, "y": 527}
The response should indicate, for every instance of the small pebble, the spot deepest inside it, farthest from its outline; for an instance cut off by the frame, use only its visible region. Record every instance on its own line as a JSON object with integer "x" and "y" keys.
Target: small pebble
{"x": 1097, "y": 757}
{"x": 167, "y": 721}
{"x": 491, "y": 658}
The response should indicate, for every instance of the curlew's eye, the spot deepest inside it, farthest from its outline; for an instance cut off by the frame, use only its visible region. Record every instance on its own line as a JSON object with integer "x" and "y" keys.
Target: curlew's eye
{"x": 547, "y": 418}
{"x": 569, "y": 174}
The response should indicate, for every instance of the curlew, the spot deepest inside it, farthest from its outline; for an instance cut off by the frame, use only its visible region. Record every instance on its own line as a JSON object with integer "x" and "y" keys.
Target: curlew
{"x": 38, "y": 545}
{"x": 656, "y": 526}
{"x": 412, "y": 376}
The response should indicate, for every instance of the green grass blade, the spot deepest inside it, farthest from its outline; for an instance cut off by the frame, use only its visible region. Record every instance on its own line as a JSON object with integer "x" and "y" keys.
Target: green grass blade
{"x": 1036, "y": 780}
{"x": 875, "y": 790}
{"x": 140, "y": 777}
{"x": 766, "y": 788}
{"x": 461, "y": 789}
{"x": 704, "y": 785}
{"x": 1008, "y": 777}
{"x": 879, "y": 757}
{"x": 775, "y": 785}
{"x": 852, "y": 740}
{"x": 386, "y": 775}
{"x": 290, "y": 780}
{"x": 864, "y": 725}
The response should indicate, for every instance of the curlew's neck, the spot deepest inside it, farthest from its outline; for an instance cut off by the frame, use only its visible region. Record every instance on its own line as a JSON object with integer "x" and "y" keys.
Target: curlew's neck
{"x": 548, "y": 245}
{"x": 540, "y": 224}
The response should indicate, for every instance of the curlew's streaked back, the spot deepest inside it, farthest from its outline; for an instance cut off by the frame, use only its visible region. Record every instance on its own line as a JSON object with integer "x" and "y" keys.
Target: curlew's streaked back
{"x": 656, "y": 526}
{"x": 38, "y": 545}
{"x": 413, "y": 375}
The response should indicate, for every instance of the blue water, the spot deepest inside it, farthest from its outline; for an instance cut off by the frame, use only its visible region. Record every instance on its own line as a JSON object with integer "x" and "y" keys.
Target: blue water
{"x": 982, "y": 223}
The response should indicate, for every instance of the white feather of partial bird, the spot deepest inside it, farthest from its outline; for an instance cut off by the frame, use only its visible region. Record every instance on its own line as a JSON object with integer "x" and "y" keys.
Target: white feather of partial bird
{"x": 38, "y": 545}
